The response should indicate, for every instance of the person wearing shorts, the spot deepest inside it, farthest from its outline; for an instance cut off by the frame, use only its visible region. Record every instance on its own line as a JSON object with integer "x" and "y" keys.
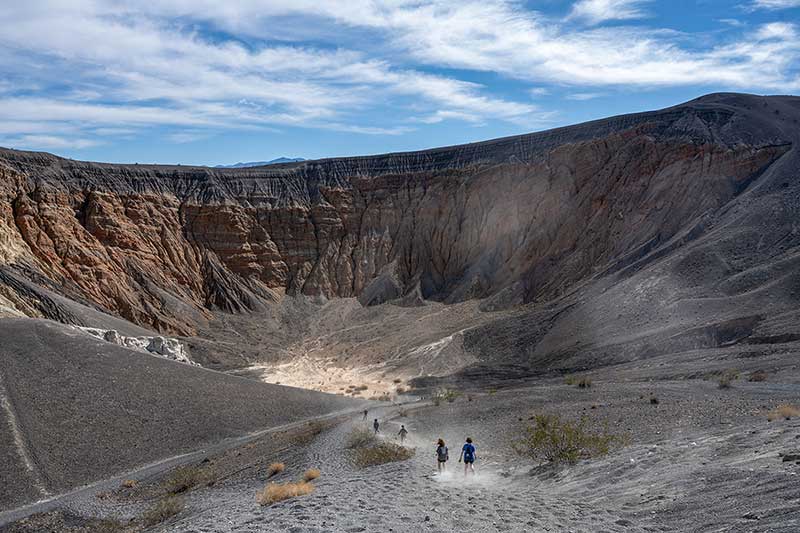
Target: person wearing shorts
{"x": 468, "y": 455}
{"x": 442, "y": 455}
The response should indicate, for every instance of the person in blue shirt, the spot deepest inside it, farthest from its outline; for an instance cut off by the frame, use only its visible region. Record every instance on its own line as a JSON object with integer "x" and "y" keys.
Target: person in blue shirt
{"x": 468, "y": 455}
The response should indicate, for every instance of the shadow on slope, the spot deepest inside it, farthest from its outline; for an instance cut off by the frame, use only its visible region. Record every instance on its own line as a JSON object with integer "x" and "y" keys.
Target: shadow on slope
{"x": 83, "y": 409}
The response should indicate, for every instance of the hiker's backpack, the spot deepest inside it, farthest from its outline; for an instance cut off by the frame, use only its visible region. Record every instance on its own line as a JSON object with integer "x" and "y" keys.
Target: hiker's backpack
{"x": 442, "y": 452}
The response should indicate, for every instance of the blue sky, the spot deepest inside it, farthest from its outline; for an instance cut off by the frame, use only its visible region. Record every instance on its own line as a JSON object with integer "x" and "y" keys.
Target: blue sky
{"x": 210, "y": 82}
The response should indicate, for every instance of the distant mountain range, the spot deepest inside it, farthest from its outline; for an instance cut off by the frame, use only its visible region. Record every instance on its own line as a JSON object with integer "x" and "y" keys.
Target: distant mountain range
{"x": 262, "y": 163}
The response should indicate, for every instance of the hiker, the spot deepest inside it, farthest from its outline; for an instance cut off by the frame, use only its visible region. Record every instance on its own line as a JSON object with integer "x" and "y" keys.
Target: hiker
{"x": 365, "y": 414}
{"x": 376, "y": 426}
{"x": 441, "y": 455}
{"x": 468, "y": 454}
{"x": 403, "y": 433}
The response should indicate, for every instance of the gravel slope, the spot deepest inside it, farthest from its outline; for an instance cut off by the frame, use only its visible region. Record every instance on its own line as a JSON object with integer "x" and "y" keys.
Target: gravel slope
{"x": 701, "y": 460}
{"x": 87, "y": 409}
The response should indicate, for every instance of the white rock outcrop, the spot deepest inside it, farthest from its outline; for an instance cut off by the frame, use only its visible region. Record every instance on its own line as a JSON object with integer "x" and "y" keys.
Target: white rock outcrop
{"x": 166, "y": 347}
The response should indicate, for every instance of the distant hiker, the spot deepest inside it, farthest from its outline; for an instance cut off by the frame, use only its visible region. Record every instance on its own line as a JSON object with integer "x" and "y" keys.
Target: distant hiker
{"x": 403, "y": 432}
{"x": 441, "y": 456}
{"x": 468, "y": 455}
{"x": 365, "y": 414}
{"x": 376, "y": 426}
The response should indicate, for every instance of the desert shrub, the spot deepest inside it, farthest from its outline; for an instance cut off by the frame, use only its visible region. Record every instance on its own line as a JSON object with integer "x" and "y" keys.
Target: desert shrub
{"x": 186, "y": 478}
{"x": 757, "y": 376}
{"x": 311, "y": 474}
{"x": 584, "y": 383}
{"x": 570, "y": 380}
{"x": 553, "y": 440}
{"x": 400, "y": 390}
{"x": 492, "y": 391}
{"x": 727, "y": 378}
{"x": 163, "y": 510}
{"x": 361, "y": 387}
{"x": 381, "y": 453}
{"x": 274, "y": 469}
{"x": 445, "y": 395}
{"x": 398, "y": 380}
{"x": 785, "y": 411}
{"x": 129, "y": 483}
{"x": 360, "y": 438}
{"x": 275, "y": 492}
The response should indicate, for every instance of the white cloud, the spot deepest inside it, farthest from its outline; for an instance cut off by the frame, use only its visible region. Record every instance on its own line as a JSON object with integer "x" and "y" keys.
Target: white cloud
{"x": 583, "y": 96}
{"x": 381, "y": 63}
{"x": 184, "y": 137}
{"x": 39, "y": 142}
{"x": 597, "y": 11}
{"x": 775, "y": 4}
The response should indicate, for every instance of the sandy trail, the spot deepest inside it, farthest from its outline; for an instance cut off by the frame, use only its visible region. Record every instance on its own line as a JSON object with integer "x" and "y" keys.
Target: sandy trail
{"x": 702, "y": 460}
{"x": 405, "y": 496}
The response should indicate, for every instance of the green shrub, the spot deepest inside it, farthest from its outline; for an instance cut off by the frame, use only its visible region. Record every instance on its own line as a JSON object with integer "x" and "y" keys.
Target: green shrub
{"x": 553, "y": 440}
{"x": 445, "y": 395}
{"x": 727, "y": 378}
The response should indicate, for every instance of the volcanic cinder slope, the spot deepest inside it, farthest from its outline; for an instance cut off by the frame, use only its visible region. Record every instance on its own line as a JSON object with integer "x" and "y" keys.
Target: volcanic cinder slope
{"x": 582, "y": 246}
{"x": 74, "y": 409}
{"x": 653, "y": 241}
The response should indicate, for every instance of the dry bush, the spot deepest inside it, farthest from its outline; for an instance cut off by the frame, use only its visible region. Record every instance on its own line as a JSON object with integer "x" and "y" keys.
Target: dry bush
{"x": 757, "y": 376}
{"x": 311, "y": 474}
{"x": 361, "y": 438}
{"x": 275, "y": 492}
{"x": 129, "y": 483}
{"x": 398, "y": 380}
{"x": 381, "y": 453}
{"x": 274, "y": 469}
{"x": 785, "y": 411}
{"x": 362, "y": 387}
{"x": 186, "y": 478}
{"x": 162, "y": 510}
{"x": 553, "y": 440}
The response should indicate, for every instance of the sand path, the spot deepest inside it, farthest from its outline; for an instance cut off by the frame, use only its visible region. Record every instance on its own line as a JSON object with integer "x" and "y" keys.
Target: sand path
{"x": 403, "y": 497}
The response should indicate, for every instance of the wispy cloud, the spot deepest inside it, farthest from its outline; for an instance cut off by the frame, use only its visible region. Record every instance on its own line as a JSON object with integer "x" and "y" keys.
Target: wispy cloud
{"x": 597, "y": 11}
{"x": 583, "y": 96}
{"x": 52, "y": 142}
{"x": 775, "y": 4}
{"x": 359, "y": 66}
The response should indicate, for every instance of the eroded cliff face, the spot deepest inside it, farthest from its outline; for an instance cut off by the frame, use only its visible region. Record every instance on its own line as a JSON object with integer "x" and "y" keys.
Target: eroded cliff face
{"x": 514, "y": 220}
